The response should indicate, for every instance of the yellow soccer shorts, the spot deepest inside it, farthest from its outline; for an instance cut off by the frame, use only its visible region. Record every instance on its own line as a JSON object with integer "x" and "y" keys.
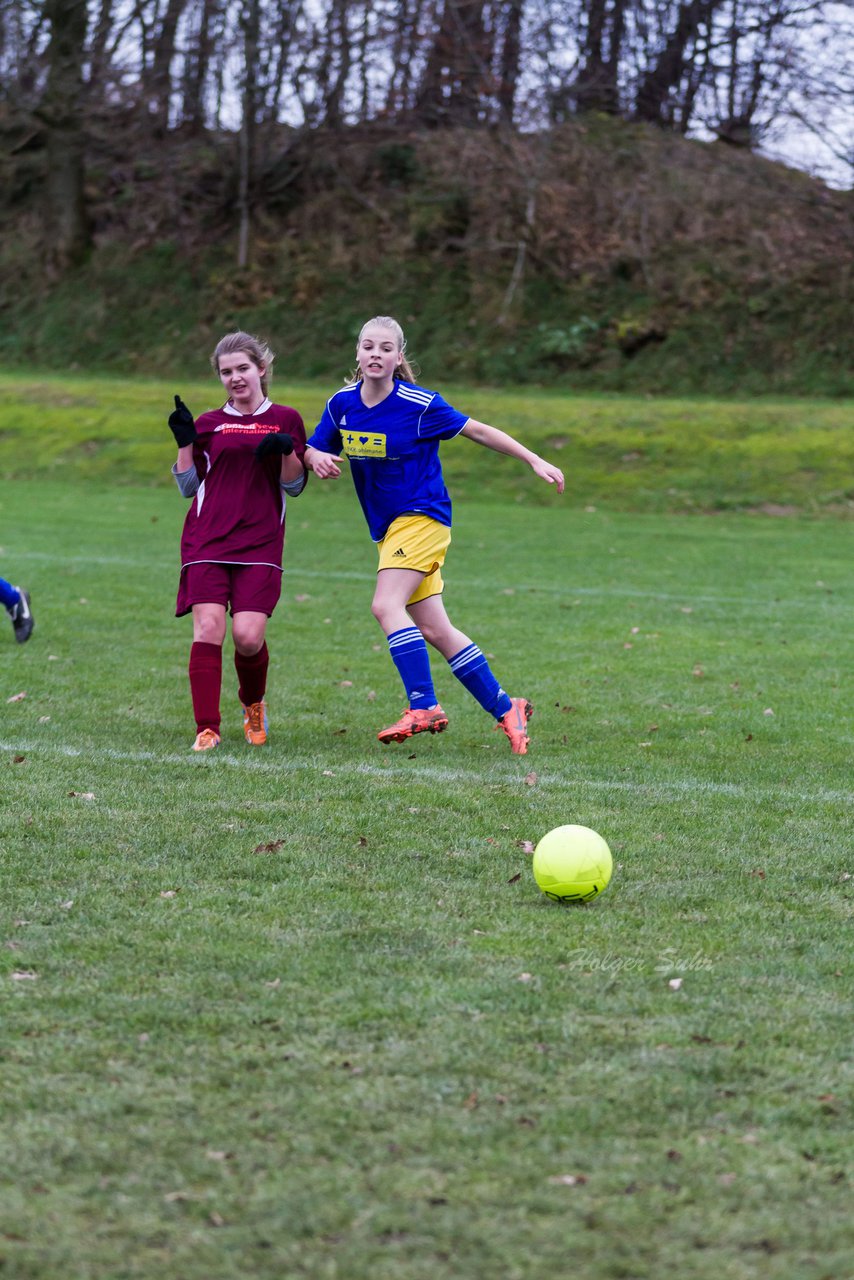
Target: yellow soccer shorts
{"x": 417, "y": 542}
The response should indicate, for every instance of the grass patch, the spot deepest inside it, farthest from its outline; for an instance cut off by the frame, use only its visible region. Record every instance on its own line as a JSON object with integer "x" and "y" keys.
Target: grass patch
{"x": 627, "y": 453}
{"x": 302, "y": 1011}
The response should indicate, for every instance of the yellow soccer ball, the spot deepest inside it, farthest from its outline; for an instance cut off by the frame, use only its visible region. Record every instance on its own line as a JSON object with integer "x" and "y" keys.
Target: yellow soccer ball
{"x": 572, "y": 864}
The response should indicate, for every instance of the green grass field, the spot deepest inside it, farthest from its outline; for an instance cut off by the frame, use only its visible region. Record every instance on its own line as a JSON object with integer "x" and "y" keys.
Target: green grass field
{"x": 301, "y": 1011}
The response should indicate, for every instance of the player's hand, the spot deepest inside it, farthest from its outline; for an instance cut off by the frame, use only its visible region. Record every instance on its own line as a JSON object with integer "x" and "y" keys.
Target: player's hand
{"x": 324, "y": 465}
{"x": 277, "y": 442}
{"x": 181, "y": 424}
{"x": 552, "y": 475}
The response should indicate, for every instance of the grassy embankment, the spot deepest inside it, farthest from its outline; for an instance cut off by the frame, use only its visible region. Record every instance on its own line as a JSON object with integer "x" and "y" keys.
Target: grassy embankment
{"x": 650, "y": 263}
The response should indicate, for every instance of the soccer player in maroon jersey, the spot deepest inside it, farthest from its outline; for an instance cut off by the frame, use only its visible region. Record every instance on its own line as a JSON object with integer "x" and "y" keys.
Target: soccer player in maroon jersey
{"x": 237, "y": 464}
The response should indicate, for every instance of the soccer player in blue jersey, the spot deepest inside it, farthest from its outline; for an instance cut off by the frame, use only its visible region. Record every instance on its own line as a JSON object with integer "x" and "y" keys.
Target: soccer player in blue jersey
{"x": 390, "y": 430}
{"x": 16, "y": 602}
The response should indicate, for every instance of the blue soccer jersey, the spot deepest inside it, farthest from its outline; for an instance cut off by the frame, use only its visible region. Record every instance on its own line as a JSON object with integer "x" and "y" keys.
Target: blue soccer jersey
{"x": 393, "y": 450}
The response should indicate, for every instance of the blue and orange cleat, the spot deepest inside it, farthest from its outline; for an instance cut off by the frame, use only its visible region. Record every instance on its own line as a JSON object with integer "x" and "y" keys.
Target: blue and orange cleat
{"x": 411, "y": 722}
{"x": 515, "y": 724}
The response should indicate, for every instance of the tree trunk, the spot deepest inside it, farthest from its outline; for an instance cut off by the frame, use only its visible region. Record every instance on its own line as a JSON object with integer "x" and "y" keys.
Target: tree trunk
{"x": 164, "y": 51}
{"x": 336, "y": 76}
{"x": 246, "y": 174}
{"x": 511, "y": 52}
{"x": 596, "y": 86}
{"x": 97, "y": 57}
{"x": 659, "y": 80}
{"x": 198, "y": 63}
{"x": 61, "y": 109}
{"x": 458, "y": 66}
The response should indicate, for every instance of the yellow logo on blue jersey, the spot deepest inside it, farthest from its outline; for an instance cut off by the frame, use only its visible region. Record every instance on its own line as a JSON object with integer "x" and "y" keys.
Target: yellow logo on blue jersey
{"x": 357, "y": 444}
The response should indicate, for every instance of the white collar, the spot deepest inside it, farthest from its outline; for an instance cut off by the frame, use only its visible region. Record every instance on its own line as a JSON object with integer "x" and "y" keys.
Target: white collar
{"x": 265, "y": 404}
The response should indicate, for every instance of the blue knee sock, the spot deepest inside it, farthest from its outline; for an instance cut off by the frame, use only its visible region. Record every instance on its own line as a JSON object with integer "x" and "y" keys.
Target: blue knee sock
{"x": 471, "y": 669}
{"x": 409, "y": 654}
{"x": 9, "y": 595}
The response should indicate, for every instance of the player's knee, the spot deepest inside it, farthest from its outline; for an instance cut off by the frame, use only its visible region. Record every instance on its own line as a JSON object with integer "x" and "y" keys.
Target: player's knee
{"x": 247, "y": 640}
{"x": 209, "y": 630}
{"x": 378, "y": 609}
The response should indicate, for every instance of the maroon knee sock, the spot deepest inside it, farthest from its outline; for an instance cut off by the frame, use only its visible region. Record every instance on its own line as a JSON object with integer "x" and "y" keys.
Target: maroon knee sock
{"x": 252, "y": 675}
{"x": 205, "y": 683}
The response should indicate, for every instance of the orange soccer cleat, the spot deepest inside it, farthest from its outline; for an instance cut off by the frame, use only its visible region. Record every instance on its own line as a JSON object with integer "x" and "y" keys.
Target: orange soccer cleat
{"x": 255, "y": 723}
{"x": 411, "y": 722}
{"x": 206, "y": 740}
{"x": 515, "y": 724}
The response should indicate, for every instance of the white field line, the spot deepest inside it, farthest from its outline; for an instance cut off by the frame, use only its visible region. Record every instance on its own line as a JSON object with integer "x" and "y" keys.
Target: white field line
{"x": 254, "y": 763}
{"x": 149, "y": 567}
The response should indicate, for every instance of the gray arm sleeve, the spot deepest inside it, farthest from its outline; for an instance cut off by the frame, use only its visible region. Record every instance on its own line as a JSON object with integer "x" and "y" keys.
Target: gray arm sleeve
{"x": 187, "y": 481}
{"x": 293, "y": 488}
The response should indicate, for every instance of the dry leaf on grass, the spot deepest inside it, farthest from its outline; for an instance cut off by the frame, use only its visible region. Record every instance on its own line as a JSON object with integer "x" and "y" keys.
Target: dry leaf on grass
{"x": 18, "y": 697}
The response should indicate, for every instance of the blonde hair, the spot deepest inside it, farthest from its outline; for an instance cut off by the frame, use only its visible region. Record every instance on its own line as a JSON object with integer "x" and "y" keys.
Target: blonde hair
{"x": 257, "y": 350}
{"x": 404, "y": 371}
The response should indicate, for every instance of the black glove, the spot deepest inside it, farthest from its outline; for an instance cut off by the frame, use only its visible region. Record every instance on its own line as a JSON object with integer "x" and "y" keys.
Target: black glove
{"x": 276, "y": 442}
{"x": 181, "y": 424}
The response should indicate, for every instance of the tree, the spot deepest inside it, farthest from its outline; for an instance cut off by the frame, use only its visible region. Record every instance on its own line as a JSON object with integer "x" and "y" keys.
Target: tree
{"x": 596, "y": 87}
{"x": 61, "y": 111}
{"x": 250, "y": 24}
{"x": 653, "y": 100}
{"x": 456, "y": 74}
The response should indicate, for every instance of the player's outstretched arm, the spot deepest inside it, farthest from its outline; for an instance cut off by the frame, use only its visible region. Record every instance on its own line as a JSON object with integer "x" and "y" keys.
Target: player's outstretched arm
{"x": 501, "y": 442}
{"x": 324, "y": 465}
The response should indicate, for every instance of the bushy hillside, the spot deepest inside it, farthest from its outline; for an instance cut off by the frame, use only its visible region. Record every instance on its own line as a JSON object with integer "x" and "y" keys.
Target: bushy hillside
{"x": 602, "y": 255}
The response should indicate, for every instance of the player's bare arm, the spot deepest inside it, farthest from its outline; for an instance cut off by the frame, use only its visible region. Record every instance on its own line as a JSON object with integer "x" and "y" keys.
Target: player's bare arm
{"x": 324, "y": 465}
{"x": 501, "y": 442}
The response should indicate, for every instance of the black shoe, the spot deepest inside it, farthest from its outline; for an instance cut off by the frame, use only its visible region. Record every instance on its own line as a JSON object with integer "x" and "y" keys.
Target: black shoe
{"x": 21, "y": 615}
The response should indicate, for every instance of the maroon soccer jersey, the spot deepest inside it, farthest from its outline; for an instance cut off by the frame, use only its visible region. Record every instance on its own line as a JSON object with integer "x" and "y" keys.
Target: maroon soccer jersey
{"x": 237, "y": 516}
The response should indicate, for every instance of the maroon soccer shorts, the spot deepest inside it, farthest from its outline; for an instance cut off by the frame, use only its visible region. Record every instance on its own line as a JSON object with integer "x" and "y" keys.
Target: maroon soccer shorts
{"x": 248, "y": 588}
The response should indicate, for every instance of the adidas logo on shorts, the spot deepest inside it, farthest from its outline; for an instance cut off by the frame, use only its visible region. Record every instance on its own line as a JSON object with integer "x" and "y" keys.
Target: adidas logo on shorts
{"x": 400, "y": 552}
